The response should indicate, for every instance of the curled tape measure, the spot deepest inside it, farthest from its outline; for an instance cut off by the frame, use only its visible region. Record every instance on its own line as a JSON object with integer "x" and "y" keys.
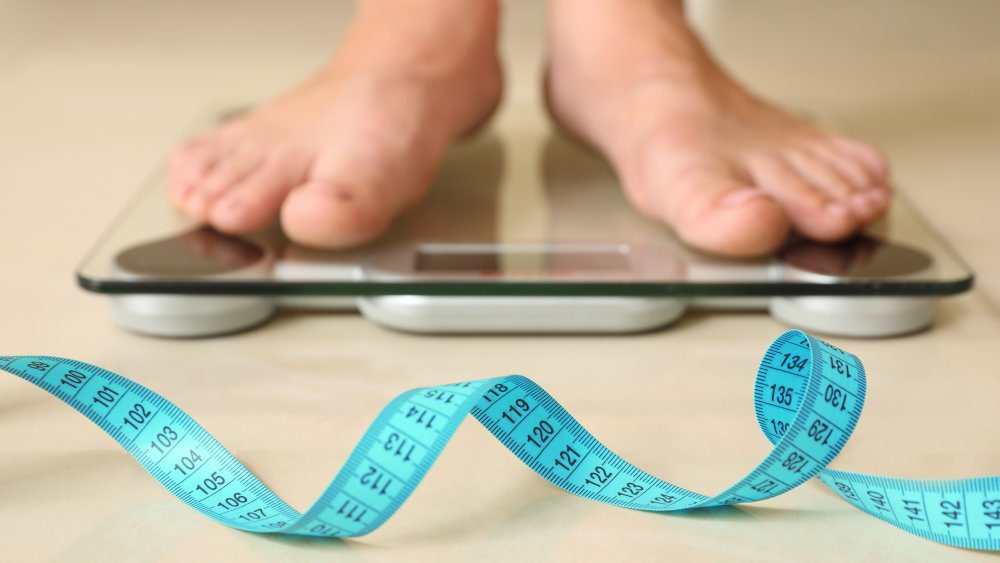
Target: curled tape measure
{"x": 808, "y": 396}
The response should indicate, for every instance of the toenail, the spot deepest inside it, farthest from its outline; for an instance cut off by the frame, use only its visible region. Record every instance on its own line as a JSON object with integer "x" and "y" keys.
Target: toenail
{"x": 739, "y": 197}
{"x": 861, "y": 201}
{"x": 341, "y": 193}
{"x": 344, "y": 195}
{"x": 335, "y": 189}
{"x": 876, "y": 196}
{"x": 837, "y": 208}
{"x": 198, "y": 202}
{"x": 231, "y": 202}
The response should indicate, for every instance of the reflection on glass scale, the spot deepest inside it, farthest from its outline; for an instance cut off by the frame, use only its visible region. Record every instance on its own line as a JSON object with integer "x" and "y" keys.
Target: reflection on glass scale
{"x": 523, "y": 231}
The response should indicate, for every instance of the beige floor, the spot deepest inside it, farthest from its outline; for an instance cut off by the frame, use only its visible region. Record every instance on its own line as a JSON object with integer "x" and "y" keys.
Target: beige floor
{"x": 93, "y": 93}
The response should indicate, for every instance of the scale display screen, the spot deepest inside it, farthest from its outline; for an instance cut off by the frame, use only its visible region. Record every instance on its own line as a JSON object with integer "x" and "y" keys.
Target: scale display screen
{"x": 520, "y": 262}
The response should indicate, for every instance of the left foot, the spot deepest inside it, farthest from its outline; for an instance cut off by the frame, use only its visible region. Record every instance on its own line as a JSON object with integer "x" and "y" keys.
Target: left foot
{"x": 345, "y": 153}
{"x": 729, "y": 172}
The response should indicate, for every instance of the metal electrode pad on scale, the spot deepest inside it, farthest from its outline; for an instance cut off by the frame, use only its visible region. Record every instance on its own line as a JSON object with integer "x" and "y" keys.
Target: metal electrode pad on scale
{"x": 808, "y": 396}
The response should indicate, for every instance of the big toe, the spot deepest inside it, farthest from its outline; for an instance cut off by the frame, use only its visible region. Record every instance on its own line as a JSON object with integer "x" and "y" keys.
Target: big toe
{"x": 732, "y": 220}
{"x": 331, "y": 214}
{"x": 709, "y": 206}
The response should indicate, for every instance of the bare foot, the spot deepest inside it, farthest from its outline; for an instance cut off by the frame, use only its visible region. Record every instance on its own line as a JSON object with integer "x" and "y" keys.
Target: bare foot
{"x": 340, "y": 156}
{"x": 727, "y": 171}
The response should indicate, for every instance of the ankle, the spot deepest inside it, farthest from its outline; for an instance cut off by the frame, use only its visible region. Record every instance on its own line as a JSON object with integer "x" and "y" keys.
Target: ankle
{"x": 443, "y": 51}
{"x": 426, "y": 35}
{"x": 608, "y": 44}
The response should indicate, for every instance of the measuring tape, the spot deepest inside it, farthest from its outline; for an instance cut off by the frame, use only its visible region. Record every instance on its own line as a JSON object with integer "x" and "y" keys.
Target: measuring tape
{"x": 808, "y": 396}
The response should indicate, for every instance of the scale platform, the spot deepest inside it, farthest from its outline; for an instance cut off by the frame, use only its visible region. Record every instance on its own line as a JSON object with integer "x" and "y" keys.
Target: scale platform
{"x": 523, "y": 231}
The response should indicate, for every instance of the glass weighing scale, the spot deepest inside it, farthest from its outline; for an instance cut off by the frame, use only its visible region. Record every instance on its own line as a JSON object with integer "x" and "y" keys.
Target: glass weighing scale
{"x": 524, "y": 231}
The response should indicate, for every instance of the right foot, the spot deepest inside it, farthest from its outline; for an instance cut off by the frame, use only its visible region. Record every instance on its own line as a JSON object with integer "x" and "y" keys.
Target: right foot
{"x": 693, "y": 149}
{"x": 343, "y": 154}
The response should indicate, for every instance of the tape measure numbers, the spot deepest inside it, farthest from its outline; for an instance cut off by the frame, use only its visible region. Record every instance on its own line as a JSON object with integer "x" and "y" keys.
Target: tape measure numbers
{"x": 808, "y": 396}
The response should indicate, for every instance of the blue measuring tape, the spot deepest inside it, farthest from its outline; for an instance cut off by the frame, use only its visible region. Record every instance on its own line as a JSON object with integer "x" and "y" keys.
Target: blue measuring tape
{"x": 808, "y": 396}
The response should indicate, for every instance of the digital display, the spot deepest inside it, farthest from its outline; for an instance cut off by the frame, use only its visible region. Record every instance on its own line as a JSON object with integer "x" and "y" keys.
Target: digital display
{"x": 521, "y": 262}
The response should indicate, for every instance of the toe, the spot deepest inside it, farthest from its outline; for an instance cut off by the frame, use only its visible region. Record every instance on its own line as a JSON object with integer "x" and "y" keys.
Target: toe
{"x": 869, "y": 172}
{"x": 870, "y": 204}
{"x": 192, "y": 160}
{"x": 179, "y": 166}
{"x": 868, "y": 155}
{"x": 875, "y": 199}
{"x": 813, "y": 212}
{"x": 707, "y": 204}
{"x": 332, "y": 214}
{"x": 733, "y": 219}
{"x": 822, "y": 175}
{"x": 860, "y": 164}
{"x": 229, "y": 169}
{"x": 189, "y": 164}
{"x": 855, "y": 172}
{"x": 253, "y": 202}
{"x": 866, "y": 203}
{"x": 356, "y": 187}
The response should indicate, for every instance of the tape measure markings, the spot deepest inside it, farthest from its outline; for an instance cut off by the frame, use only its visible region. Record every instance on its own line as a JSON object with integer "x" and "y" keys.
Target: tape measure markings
{"x": 808, "y": 396}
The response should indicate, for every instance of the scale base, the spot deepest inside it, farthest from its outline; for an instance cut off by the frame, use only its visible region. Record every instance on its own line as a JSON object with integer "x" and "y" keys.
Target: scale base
{"x": 184, "y": 316}
{"x": 507, "y": 315}
{"x": 859, "y": 317}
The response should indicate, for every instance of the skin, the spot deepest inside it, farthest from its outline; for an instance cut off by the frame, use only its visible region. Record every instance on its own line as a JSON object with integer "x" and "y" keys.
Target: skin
{"x": 337, "y": 158}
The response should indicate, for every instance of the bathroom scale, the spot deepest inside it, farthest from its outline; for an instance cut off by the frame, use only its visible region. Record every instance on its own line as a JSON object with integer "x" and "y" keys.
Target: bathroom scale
{"x": 524, "y": 230}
